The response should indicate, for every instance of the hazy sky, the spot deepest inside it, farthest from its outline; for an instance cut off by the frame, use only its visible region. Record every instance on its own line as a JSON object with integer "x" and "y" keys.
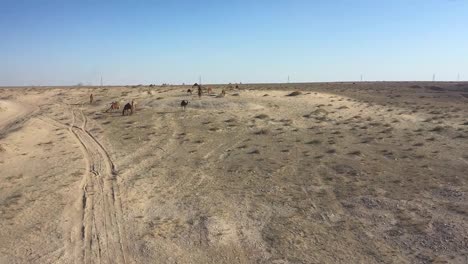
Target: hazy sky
{"x": 131, "y": 42}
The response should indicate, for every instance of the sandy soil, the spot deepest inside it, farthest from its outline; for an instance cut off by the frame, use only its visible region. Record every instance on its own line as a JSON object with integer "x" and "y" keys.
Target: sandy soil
{"x": 339, "y": 173}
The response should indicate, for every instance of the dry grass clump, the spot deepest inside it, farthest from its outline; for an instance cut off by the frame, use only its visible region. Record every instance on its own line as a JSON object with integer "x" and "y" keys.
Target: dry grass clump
{"x": 295, "y": 93}
{"x": 438, "y": 129}
{"x": 255, "y": 151}
{"x": 314, "y": 142}
{"x": 262, "y": 131}
{"x": 355, "y": 153}
{"x": 262, "y": 116}
{"x": 331, "y": 151}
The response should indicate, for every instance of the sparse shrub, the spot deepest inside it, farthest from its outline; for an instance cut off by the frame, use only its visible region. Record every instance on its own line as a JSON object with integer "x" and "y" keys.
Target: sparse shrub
{"x": 438, "y": 129}
{"x": 295, "y": 93}
{"x": 262, "y": 132}
{"x": 255, "y": 151}
{"x": 314, "y": 142}
{"x": 262, "y": 116}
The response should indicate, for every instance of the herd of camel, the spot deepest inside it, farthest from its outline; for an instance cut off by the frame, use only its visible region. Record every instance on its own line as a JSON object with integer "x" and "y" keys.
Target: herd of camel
{"x": 130, "y": 107}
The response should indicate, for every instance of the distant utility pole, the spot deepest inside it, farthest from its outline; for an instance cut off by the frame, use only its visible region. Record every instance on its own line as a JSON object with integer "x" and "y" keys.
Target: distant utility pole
{"x": 199, "y": 79}
{"x": 433, "y": 77}
{"x": 361, "y": 77}
{"x": 458, "y": 77}
{"x": 288, "y": 78}
{"x": 101, "y": 80}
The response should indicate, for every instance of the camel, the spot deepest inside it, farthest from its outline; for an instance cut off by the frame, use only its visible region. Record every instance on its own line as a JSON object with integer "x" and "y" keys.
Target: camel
{"x": 114, "y": 106}
{"x": 134, "y": 105}
{"x": 184, "y": 104}
{"x": 128, "y": 107}
{"x": 189, "y": 91}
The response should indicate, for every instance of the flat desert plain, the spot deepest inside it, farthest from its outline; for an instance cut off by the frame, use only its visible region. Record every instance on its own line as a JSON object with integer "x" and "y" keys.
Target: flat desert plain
{"x": 269, "y": 173}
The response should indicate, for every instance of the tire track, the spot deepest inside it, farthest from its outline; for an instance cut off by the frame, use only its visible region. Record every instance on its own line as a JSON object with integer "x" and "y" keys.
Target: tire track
{"x": 101, "y": 235}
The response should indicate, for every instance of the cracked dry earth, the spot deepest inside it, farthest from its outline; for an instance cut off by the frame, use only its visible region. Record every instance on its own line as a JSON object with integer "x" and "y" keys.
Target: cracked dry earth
{"x": 337, "y": 173}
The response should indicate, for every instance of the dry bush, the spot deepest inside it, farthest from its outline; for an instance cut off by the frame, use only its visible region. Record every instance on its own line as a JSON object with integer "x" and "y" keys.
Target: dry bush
{"x": 437, "y": 129}
{"x": 262, "y": 116}
{"x": 255, "y": 151}
{"x": 295, "y": 93}
{"x": 262, "y": 131}
{"x": 331, "y": 151}
{"x": 314, "y": 142}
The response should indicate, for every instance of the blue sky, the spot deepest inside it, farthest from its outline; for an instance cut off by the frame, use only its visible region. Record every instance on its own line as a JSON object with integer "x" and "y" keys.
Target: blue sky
{"x": 44, "y": 42}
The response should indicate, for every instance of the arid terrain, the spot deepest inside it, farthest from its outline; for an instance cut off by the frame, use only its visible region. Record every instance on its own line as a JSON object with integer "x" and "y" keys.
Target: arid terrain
{"x": 269, "y": 173}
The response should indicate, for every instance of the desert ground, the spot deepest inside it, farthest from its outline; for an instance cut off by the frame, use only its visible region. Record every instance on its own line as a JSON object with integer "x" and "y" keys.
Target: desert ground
{"x": 371, "y": 172}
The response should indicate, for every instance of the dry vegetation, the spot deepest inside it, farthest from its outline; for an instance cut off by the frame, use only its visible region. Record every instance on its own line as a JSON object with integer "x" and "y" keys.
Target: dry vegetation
{"x": 296, "y": 173}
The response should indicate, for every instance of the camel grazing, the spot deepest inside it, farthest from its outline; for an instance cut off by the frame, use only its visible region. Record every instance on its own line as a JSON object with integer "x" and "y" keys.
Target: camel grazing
{"x": 114, "y": 106}
{"x": 128, "y": 107}
{"x": 189, "y": 91}
{"x": 184, "y": 104}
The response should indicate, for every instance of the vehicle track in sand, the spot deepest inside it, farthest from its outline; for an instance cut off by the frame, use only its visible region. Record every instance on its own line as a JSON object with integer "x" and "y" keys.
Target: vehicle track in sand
{"x": 101, "y": 238}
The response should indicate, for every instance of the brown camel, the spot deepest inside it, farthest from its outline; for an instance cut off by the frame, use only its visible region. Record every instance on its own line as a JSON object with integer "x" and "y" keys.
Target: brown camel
{"x": 184, "y": 104}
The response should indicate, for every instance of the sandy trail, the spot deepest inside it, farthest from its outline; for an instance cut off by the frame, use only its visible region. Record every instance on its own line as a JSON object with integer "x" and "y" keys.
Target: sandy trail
{"x": 100, "y": 239}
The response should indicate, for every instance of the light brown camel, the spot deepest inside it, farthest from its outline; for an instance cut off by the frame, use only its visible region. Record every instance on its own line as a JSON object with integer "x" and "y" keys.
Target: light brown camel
{"x": 114, "y": 106}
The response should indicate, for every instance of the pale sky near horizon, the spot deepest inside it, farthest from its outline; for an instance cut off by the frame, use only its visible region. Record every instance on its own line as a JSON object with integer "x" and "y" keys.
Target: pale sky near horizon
{"x": 44, "y": 42}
